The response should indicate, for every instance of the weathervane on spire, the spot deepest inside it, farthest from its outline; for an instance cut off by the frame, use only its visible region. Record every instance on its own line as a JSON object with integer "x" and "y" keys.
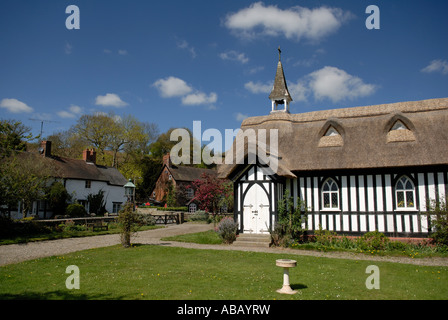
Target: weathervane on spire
{"x": 279, "y": 53}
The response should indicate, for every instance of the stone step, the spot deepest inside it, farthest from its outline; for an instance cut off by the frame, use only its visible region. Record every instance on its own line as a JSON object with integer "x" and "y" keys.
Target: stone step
{"x": 252, "y": 240}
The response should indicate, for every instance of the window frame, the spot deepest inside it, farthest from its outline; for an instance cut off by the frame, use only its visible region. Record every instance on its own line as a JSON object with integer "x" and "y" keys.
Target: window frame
{"x": 190, "y": 193}
{"x": 330, "y": 193}
{"x": 405, "y": 192}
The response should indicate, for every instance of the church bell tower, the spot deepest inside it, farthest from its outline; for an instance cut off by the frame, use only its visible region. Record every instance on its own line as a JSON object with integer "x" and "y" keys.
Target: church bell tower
{"x": 280, "y": 94}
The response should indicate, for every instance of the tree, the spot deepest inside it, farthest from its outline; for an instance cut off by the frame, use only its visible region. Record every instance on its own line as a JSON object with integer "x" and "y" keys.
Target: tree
{"x": 67, "y": 144}
{"x": 163, "y": 144}
{"x": 13, "y": 137}
{"x": 113, "y": 135}
{"x": 23, "y": 179}
{"x": 150, "y": 170}
{"x": 210, "y": 192}
{"x": 97, "y": 130}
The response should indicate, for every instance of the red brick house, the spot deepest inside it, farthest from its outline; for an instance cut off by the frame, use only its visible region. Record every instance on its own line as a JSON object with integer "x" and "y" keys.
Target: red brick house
{"x": 181, "y": 178}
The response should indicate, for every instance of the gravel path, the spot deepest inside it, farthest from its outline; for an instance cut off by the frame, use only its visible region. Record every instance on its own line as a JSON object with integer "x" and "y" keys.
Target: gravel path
{"x": 16, "y": 253}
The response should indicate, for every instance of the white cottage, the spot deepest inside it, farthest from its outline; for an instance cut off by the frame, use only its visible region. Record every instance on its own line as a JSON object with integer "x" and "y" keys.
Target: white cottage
{"x": 357, "y": 169}
{"x": 81, "y": 177}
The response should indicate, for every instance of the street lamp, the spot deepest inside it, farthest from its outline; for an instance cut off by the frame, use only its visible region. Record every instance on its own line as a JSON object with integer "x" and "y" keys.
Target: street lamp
{"x": 129, "y": 189}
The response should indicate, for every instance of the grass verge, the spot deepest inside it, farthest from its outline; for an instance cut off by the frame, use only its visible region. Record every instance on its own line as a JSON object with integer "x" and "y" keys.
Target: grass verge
{"x": 206, "y": 237}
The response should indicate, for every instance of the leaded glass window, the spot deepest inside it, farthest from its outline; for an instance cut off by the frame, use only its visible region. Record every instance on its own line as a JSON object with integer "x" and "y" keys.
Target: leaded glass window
{"x": 405, "y": 193}
{"x": 330, "y": 194}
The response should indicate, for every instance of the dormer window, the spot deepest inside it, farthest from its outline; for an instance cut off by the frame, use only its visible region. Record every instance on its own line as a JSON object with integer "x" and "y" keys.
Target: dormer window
{"x": 331, "y": 137}
{"x": 400, "y": 132}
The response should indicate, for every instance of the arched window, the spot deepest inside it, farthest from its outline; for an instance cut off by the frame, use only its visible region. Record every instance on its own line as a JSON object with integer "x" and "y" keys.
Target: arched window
{"x": 330, "y": 194}
{"x": 405, "y": 193}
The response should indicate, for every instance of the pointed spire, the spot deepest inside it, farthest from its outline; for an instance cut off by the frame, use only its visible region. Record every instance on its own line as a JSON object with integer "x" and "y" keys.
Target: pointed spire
{"x": 280, "y": 93}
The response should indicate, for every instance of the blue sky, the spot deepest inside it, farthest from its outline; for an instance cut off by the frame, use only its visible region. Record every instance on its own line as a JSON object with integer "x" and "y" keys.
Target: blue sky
{"x": 173, "y": 62}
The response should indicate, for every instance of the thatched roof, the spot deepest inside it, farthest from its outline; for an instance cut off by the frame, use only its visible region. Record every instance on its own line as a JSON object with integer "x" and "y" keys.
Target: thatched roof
{"x": 361, "y": 137}
{"x": 189, "y": 174}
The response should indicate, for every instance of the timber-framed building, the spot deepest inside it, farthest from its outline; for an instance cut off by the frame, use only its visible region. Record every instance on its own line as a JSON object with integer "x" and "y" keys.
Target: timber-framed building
{"x": 356, "y": 169}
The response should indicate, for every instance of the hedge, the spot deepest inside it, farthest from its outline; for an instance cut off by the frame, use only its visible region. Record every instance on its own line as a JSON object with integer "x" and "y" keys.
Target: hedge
{"x": 183, "y": 209}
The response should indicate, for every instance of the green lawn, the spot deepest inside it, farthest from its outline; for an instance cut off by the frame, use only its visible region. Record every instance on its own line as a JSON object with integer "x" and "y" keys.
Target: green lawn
{"x": 206, "y": 237}
{"x": 158, "y": 272}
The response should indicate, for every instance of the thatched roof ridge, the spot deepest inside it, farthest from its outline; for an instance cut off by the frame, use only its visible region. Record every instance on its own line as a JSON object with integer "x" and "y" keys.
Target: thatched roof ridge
{"x": 355, "y": 112}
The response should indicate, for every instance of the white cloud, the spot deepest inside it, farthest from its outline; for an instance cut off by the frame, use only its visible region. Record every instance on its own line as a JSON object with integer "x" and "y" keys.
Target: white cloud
{"x": 199, "y": 98}
{"x": 240, "y": 117}
{"x": 258, "y": 87}
{"x": 110, "y": 100}
{"x": 184, "y": 45}
{"x": 294, "y": 23}
{"x": 337, "y": 85}
{"x": 122, "y": 52}
{"x": 175, "y": 87}
{"x": 172, "y": 87}
{"x": 73, "y": 112}
{"x": 298, "y": 91}
{"x": 327, "y": 83}
{"x": 255, "y": 70}
{"x": 437, "y": 66}
{"x": 75, "y": 109}
{"x": 15, "y": 106}
{"x": 68, "y": 48}
{"x": 234, "y": 56}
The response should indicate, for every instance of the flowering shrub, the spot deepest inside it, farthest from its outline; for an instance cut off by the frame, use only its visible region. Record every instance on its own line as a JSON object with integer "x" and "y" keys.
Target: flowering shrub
{"x": 227, "y": 230}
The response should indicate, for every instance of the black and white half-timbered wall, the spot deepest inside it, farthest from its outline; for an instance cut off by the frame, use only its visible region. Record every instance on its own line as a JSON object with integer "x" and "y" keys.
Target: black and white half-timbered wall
{"x": 357, "y": 169}
{"x": 394, "y": 202}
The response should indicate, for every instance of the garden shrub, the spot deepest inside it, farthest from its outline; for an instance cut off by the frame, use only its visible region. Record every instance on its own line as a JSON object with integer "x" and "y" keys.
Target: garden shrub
{"x": 57, "y": 197}
{"x": 76, "y": 210}
{"x": 325, "y": 237}
{"x": 373, "y": 240}
{"x": 147, "y": 220}
{"x": 227, "y": 230}
{"x": 290, "y": 221}
{"x": 439, "y": 221}
{"x": 97, "y": 203}
{"x": 26, "y": 227}
{"x": 199, "y": 215}
{"x": 70, "y": 225}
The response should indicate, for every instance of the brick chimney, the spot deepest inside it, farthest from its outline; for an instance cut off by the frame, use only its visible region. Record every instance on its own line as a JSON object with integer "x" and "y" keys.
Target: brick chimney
{"x": 167, "y": 160}
{"x": 45, "y": 148}
{"x": 89, "y": 155}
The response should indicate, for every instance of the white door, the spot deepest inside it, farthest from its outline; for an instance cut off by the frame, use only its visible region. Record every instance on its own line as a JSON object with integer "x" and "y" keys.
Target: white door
{"x": 256, "y": 211}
